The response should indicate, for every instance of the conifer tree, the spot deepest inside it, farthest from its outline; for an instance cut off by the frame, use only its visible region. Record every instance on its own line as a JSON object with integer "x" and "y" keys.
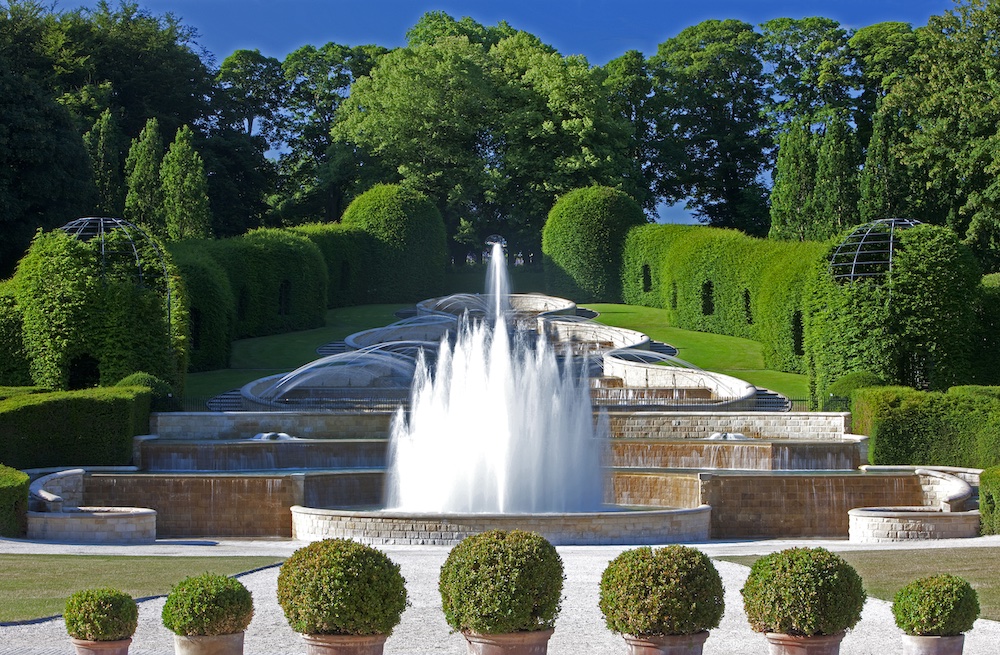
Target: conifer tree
{"x": 104, "y": 144}
{"x": 144, "y": 197}
{"x": 884, "y": 182}
{"x": 794, "y": 179}
{"x": 185, "y": 189}
{"x": 835, "y": 195}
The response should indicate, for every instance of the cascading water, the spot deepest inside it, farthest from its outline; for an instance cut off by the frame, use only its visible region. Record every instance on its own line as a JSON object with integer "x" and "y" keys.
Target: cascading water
{"x": 499, "y": 426}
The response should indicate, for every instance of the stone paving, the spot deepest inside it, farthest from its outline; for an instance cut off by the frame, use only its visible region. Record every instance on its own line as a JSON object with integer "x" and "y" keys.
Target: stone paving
{"x": 580, "y": 628}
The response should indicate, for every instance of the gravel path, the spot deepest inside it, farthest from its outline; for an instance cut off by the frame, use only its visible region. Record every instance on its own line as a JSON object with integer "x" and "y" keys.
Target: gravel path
{"x": 580, "y": 628}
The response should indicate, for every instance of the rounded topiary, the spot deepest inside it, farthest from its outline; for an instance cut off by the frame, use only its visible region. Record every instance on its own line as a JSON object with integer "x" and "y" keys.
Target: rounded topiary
{"x": 803, "y": 591}
{"x": 669, "y": 591}
{"x": 341, "y": 587}
{"x": 161, "y": 392}
{"x": 500, "y": 582}
{"x": 583, "y": 239}
{"x": 103, "y": 614}
{"x": 410, "y": 245}
{"x": 208, "y": 604}
{"x": 940, "y": 605}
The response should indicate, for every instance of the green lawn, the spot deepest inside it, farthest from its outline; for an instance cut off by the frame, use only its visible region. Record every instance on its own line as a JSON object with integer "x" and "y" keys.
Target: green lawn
{"x": 740, "y": 358}
{"x": 35, "y": 586}
{"x": 885, "y": 571}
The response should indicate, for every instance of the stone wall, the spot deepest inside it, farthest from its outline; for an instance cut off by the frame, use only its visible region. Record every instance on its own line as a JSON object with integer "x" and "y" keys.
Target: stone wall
{"x": 820, "y": 426}
{"x": 882, "y": 524}
{"x": 95, "y": 525}
{"x": 245, "y": 425}
{"x": 660, "y": 489}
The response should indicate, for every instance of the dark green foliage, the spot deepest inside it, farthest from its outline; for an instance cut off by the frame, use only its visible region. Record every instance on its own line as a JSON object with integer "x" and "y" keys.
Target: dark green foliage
{"x": 844, "y": 387}
{"x": 210, "y": 304}
{"x": 349, "y": 256}
{"x": 986, "y": 366}
{"x": 499, "y": 582}
{"x": 792, "y": 204}
{"x": 278, "y": 280}
{"x": 105, "y": 143}
{"x": 960, "y": 428}
{"x": 13, "y": 359}
{"x": 989, "y": 501}
{"x": 144, "y": 190}
{"x": 208, "y": 604}
{"x": 13, "y": 502}
{"x": 939, "y": 605}
{"x": 582, "y": 243}
{"x": 764, "y": 277}
{"x": 803, "y": 591}
{"x": 835, "y": 196}
{"x": 410, "y": 253}
{"x": 674, "y": 590}
{"x": 103, "y": 614}
{"x": 91, "y": 427}
{"x": 186, "y": 210}
{"x": 162, "y": 397}
{"x": 341, "y": 587}
{"x": 10, "y": 392}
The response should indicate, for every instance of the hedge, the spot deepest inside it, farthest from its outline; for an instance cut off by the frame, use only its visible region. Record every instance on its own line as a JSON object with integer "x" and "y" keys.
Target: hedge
{"x": 723, "y": 281}
{"x": 210, "y": 304}
{"x": 90, "y": 427}
{"x": 582, "y": 243}
{"x": 911, "y": 427}
{"x": 13, "y": 358}
{"x": 989, "y": 501}
{"x": 410, "y": 245}
{"x": 986, "y": 366}
{"x": 349, "y": 254}
{"x": 278, "y": 281}
{"x": 13, "y": 502}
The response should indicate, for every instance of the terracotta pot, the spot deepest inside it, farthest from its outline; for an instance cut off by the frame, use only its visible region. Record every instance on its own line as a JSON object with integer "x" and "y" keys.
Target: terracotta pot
{"x": 667, "y": 644}
{"x": 344, "y": 644}
{"x": 915, "y": 645}
{"x": 209, "y": 644}
{"x": 87, "y": 647}
{"x": 782, "y": 644}
{"x": 513, "y": 643}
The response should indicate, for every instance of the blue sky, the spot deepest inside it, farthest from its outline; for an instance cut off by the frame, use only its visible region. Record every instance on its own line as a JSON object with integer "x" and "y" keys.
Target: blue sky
{"x": 598, "y": 29}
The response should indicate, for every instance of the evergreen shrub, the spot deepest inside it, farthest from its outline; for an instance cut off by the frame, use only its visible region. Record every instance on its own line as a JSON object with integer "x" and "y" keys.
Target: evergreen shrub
{"x": 803, "y": 591}
{"x": 13, "y": 502}
{"x": 410, "y": 250}
{"x": 90, "y": 427}
{"x": 582, "y": 242}
{"x": 162, "y": 397}
{"x": 103, "y": 614}
{"x": 210, "y": 302}
{"x": 341, "y": 587}
{"x": 674, "y": 590}
{"x": 208, "y": 604}
{"x": 349, "y": 254}
{"x": 989, "y": 501}
{"x": 844, "y": 388}
{"x": 938, "y": 605}
{"x": 13, "y": 358}
{"x": 499, "y": 582}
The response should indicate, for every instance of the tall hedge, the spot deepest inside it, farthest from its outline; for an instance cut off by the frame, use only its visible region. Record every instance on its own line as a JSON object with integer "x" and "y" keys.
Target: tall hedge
{"x": 582, "y": 243}
{"x": 349, "y": 253}
{"x": 989, "y": 501}
{"x": 13, "y": 358}
{"x": 278, "y": 281}
{"x": 210, "y": 305}
{"x": 722, "y": 281}
{"x": 986, "y": 362}
{"x": 410, "y": 246}
{"x": 90, "y": 427}
{"x": 917, "y": 326}
{"x": 13, "y": 502}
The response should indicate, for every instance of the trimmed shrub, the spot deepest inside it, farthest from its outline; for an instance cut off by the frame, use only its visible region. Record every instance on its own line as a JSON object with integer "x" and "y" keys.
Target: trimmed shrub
{"x": 341, "y": 587}
{"x": 986, "y": 364}
{"x": 410, "y": 245}
{"x": 13, "y": 502}
{"x": 208, "y": 604}
{"x": 161, "y": 393}
{"x": 582, "y": 242}
{"x": 843, "y": 389}
{"x": 674, "y": 590}
{"x": 211, "y": 306}
{"x": 13, "y": 358}
{"x": 10, "y": 392}
{"x": 938, "y": 605}
{"x": 349, "y": 254}
{"x": 803, "y": 591}
{"x": 989, "y": 501}
{"x": 500, "y": 582}
{"x": 91, "y": 427}
{"x": 103, "y": 614}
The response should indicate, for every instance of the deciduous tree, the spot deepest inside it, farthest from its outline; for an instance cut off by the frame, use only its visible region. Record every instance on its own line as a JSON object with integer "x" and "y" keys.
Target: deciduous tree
{"x": 185, "y": 189}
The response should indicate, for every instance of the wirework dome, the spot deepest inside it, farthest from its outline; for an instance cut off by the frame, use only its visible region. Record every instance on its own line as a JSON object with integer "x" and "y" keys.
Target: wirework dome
{"x": 867, "y": 252}
{"x": 125, "y": 250}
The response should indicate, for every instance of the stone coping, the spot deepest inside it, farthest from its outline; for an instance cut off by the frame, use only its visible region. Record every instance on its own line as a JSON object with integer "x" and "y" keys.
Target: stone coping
{"x": 95, "y": 525}
{"x": 903, "y": 523}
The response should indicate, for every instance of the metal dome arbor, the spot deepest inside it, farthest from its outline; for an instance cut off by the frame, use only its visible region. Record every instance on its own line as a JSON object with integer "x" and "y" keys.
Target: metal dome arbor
{"x": 867, "y": 252}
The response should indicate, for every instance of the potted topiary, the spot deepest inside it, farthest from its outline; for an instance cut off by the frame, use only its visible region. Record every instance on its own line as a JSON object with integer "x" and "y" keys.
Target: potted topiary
{"x": 663, "y": 601}
{"x": 803, "y": 599}
{"x": 101, "y": 621}
{"x": 502, "y": 591}
{"x": 344, "y": 597}
{"x": 934, "y": 612}
{"x": 208, "y": 614}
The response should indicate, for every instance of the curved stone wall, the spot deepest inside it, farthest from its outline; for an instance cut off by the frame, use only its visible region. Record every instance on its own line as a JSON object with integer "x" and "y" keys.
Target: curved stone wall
{"x": 883, "y": 524}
